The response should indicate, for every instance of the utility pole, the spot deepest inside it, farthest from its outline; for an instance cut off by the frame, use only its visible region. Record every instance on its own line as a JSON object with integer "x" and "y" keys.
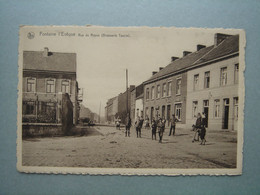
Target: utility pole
{"x": 126, "y": 91}
{"x": 99, "y": 111}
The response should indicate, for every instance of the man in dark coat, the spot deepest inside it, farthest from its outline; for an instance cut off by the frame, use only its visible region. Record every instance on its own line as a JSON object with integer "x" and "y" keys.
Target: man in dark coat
{"x": 173, "y": 125}
{"x": 128, "y": 125}
{"x": 154, "y": 127}
{"x": 141, "y": 121}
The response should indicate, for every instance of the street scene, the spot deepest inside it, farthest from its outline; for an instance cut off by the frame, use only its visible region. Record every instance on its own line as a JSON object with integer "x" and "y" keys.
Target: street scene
{"x": 144, "y": 98}
{"x": 107, "y": 147}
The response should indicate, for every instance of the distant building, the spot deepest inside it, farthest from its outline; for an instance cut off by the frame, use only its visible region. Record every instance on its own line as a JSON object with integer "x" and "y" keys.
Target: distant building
{"x": 122, "y": 99}
{"x": 111, "y": 109}
{"x": 137, "y": 102}
{"x": 86, "y": 114}
{"x": 48, "y": 78}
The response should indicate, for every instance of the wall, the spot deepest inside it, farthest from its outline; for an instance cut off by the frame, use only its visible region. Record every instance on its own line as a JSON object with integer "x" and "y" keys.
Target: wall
{"x": 67, "y": 114}
{"x": 40, "y": 129}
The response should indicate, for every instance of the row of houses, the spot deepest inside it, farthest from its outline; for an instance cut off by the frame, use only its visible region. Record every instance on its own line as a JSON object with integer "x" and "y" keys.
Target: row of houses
{"x": 205, "y": 80}
{"x": 50, "y": 92}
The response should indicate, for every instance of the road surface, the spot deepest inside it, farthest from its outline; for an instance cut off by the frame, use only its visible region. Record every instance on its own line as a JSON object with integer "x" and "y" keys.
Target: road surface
{"x": 106, "y": 147}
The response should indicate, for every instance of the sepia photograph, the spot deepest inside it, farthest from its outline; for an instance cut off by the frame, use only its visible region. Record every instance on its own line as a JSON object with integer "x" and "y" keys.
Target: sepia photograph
{"x": 130, "y": 100}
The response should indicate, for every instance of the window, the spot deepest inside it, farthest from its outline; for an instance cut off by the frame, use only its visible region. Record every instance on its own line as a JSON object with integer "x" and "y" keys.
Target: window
{"x": 31, "y": 83}
{"x": 236, "y": 108}
{"x": 178, "y": 87}
{"x": 163, "y": 111}
{"x": 169, "y": 89}
{"x": 194, "y": 109}
{"x": 147, "y": 93}
{"x": 217, "y": 108}
{"x": 50, "y": 85}
{"x": 164, "y": 90}
{"x": 178, "y": 111}
{"x": 65, "y": 86}
{"x": 207, "y": 80}
{"x": 153, "y": 93}
{"x": 29, "y": 108}
{"x": 223, "y": 76}
{"x": 236, "y": 73}
{"x": 158, "y": 91}
{"x": 196, "y": 82}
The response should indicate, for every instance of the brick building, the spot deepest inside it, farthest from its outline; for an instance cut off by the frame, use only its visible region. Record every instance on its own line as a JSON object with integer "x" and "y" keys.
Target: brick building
{"x": 165, "y": 93}
{"x": 49, "y": 78}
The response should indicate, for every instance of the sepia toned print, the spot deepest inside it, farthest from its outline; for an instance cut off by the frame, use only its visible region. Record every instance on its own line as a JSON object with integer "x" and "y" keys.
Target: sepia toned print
{"x": 130, "y": 100}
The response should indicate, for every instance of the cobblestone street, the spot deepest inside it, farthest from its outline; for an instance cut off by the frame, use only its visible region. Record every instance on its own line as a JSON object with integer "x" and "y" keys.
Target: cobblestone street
{"x": 106, "y": 147}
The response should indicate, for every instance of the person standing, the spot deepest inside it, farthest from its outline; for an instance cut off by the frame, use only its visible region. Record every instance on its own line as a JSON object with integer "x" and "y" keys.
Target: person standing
{"x": 198, "y": 127}
{"x": 154, "y": 127}
{"x": 163, "y": 123}
{"x": 137, "y": 125}
{"x": 128, "y": 125}
{"x": 141, "y": 122}
{"x": 160, "y": 129}
{"x": 203, "y": 129}
{"x": 173, "y": 125}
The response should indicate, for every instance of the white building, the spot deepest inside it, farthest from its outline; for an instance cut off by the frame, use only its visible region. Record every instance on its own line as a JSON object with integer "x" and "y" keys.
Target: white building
{"x": 212, "y": 85}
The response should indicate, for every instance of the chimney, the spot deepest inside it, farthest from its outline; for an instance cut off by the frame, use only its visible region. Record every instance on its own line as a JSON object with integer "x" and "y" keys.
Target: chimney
{"x": 186, "y": 53}
{"x": 219, "y": 37}
{"x": 199, "y": 47}
{"x": 46, "y": 51}
{"x": 173, "y": 58}
{"x": 154, "y": 72}
{"x": 160, "y": 68}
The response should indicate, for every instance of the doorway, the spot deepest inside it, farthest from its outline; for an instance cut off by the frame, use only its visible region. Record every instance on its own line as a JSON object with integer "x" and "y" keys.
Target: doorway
{"x": 168, "y": 113}
{"x": 226, "y": 113}
{"x": 152, "y": 113}
{"x": 206, "y": 111}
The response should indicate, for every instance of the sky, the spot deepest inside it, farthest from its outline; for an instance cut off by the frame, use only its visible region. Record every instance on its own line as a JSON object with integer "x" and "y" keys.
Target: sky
{"x": 104, "y": 53}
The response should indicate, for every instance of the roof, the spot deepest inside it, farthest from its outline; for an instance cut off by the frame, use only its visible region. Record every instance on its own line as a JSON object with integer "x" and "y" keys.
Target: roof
{"x": 141, "y": 96}
{"x": 181, "y": 63}
{"x": 228, "y": 46}
{"x": 55, "y": 61}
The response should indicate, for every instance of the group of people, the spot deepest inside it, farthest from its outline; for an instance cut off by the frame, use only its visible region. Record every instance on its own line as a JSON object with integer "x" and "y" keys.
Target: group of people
{"x": 200, "y": 128}
{"x": 158, "y": 126}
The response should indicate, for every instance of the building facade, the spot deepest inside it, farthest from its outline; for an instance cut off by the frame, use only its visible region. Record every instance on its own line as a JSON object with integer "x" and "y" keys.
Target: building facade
{"x": 204, "y": 81}
{"x": 213, "y": 85}
{"x": 47, "y": 77}
{"x": 165, "y": 93}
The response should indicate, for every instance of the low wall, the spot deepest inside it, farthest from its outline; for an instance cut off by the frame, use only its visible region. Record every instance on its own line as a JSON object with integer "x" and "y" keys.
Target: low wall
{"x": 41, "y": 129}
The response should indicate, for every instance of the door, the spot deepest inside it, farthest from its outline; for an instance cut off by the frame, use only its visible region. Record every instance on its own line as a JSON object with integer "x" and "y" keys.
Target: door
{"x": 226, "y": 113}
{"x": 168, "y": 114}
{"x": 152, "y": 113}
{"x": 206, "y": 111}
{"x": 235, "y": 113}
{"x": 163, "y": 111}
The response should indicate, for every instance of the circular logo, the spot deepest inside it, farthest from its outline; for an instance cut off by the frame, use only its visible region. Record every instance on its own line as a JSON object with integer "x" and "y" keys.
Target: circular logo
{"x": 30, "y": 35}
